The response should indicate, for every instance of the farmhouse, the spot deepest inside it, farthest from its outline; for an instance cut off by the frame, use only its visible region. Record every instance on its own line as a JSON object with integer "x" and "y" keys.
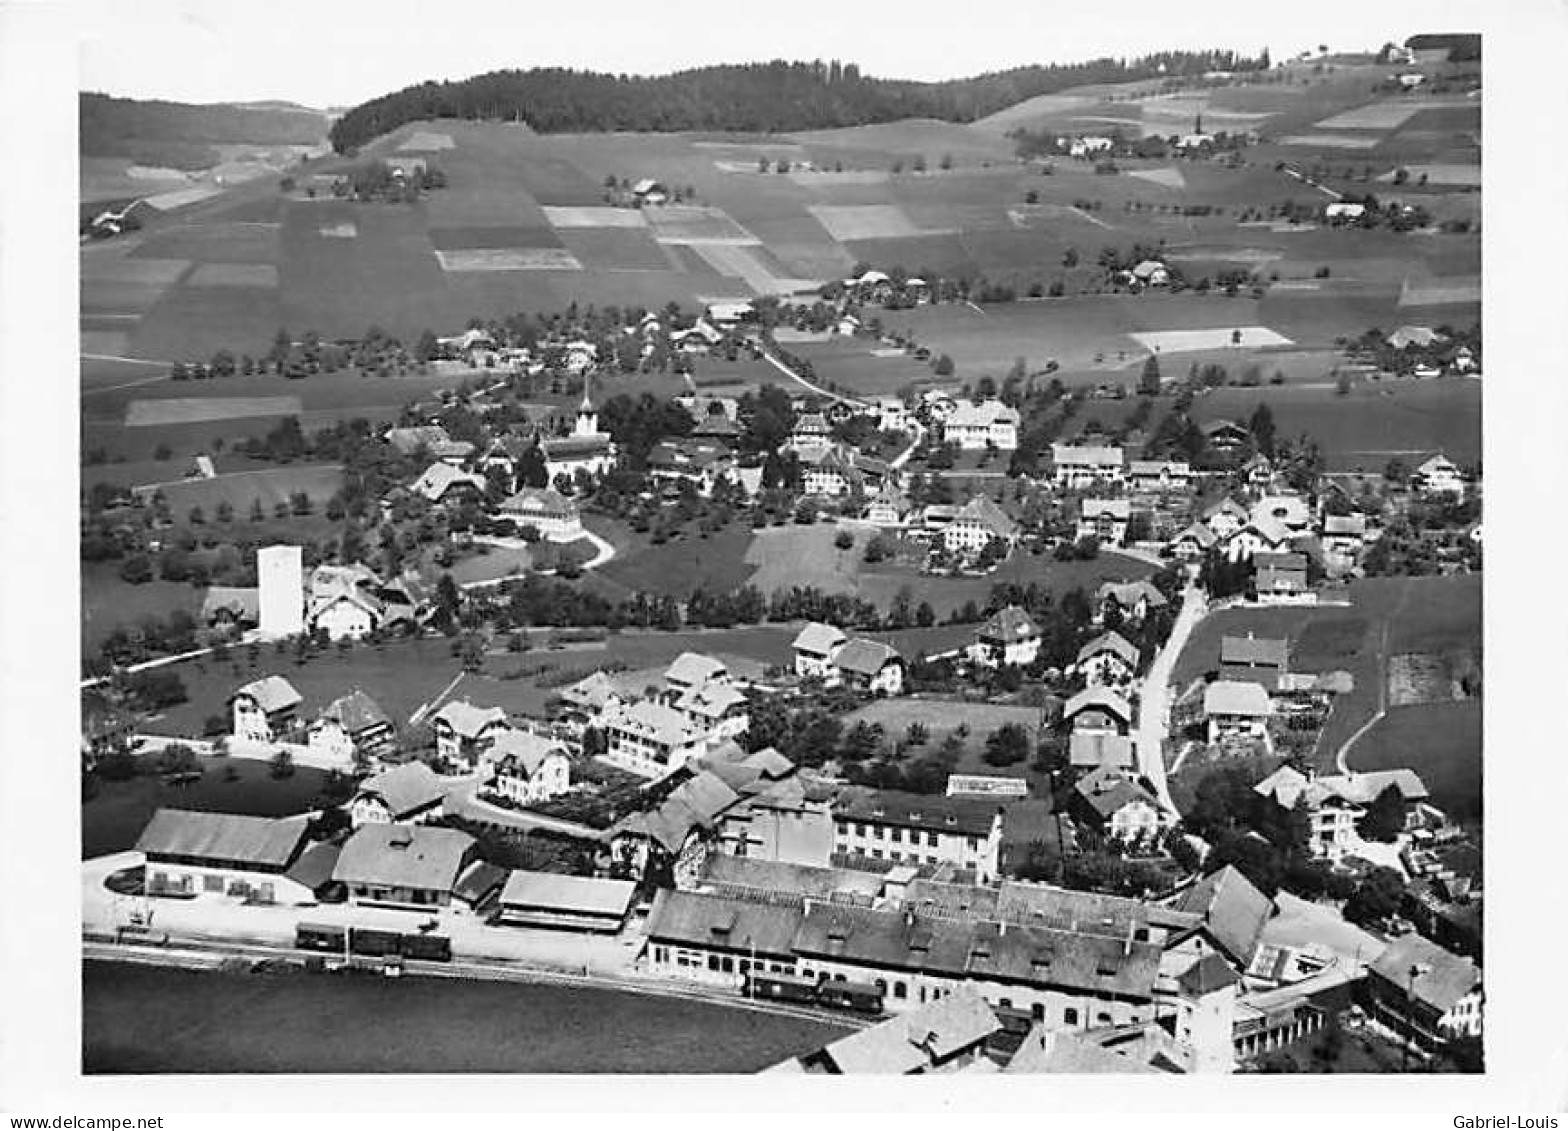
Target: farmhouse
{"x": 1078, "y": 466}
{"x": 1236, "y": 710}
{"x": 914, "y": 828}
{"x": 249, "y": 858}
{"x": 549, "y": 512}
{"x": 835, "y": 470}
{"x": 432, "y": 440}
{"x": 976, "y": 525}
{"x": 1259, "y": 535}
{"x": 1109, "y": 659}
{"x": 1150, "y": 273}
{"x": 1344, "y": 212}
{"x": 443, "y": 483}
{"x": 408, "y": 794}
{"x": 892, "y": 415}
{"x": 399, "y": 865}
{"x": 574, "y": 903}
{"x": 1105, "y": 520}
{"x": 352, "y": 724}
{"x": 700, "y": 462}
{"x": 1098, "y": 709}
{"x": 345, "y": 613}
{"x": 1283, "y": 584}
{"x": 975, "y": 426}
{"x": 1407, "y": 336}
{"x": 699, "y": 338}
{"x": 1085, "y": 146}
{"x": 1426, "y": 993}
{"x": 1008, "y": 639}
{"x": 814, "y": 647}
{"x": 1157, "y": 476}
{"x": 1439, "y": 476}
{"x": 1258, "y": 473}
{"x": 264, "y": 709}
{"x": 1120, "y": 804}
{"x": 525, "y": 768}
{"x": 811, "y": 431}
{"x": 224, "y": 604}
{"x": 463, "y": 731}
{"x": 1225, "y": 435}
{"x": 650, "y": 192}
{"x": 1224, "y": 517}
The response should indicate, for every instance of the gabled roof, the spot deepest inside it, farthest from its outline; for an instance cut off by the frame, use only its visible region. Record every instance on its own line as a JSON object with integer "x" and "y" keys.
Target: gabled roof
{"x": 407, "y": 789}
{"x": 1055, "y": 1052}
{"x": 271, "y": 693}
{"x": 1009, "y": 625}
{"x": 1112, "y": 642}
{"x": 1227, "y": 505}
{"x": 356, "y": 712}
{"x": 865, "y": 657}
{"x": 1270, "y": 530}
{"x": 544, "y": 501}
{"x": 966, "y": 816}
{"x": 1208, "y": 974}
{"x": 1108, "y": 789}
{"x": 1232, "y": 697}
{"x": 1254, "y": 651}
{"x": 1198, "y": 533}
{"x": 919, "y": 1039}
{"x": 1096, "y": 455}
{"x": 229, "y": 837}
{"x": 1085, "y": 749}
{"x": 439, "y": 478}
{"x": 700, "y": 919}
{"x": 413, "y": 856}
{"x": 1232, "y": 909}
{"x": 1127, "y": 594}
{"x": 581, "y": 895}
{"x": 694, "y": 668}
{"x": 983, "y": 510}
{"x": 1099, "y": 696}
{"x": 1442, "y": 978}
{"x": 981, "y": 414}
{"x": 592, "y": 692}
{"x": 467, "y": 720}
{"x": 522, "y": 749}
{"x": 240, "y": 603}
{"x": 1114, "y": 508}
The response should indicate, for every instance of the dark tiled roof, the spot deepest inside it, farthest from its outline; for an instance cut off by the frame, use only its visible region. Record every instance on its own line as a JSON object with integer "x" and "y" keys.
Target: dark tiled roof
{"x": 1233, "y": 910}
{"x": 697, "y": 919}
{"x": 967, "y": 816}
{"x": 222, "y": 836}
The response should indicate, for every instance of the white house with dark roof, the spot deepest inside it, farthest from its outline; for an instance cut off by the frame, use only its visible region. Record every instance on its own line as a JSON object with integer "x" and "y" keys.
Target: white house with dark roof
{"x": 651, "y": 739}
{"x": 869, "y": 665}
{"x": 1135, "y": 599}
{"x": 1010, "y": 638}
{"x": 1261, "y": 535}
{"x": 1105, "y": 520}
{"x": 1158, "y": 476}
{"x": 1234, "y": 709}
{"x": 1336, "y": 803}
{"x": 350, "y": 724}
{"x": 976, "y": 524}
{"x": 463, "y": 731}
{"x": 525, "y": 768}
{"x": 1109, "y": 659}
{"x": 264, "y": 709}
{"x": 920, "y": 829}
{"x": 412, "y": 793}
{"x": 1119, "y": 803}
{"x": 1439, "y": 476}
{"x": 977, "y": 425}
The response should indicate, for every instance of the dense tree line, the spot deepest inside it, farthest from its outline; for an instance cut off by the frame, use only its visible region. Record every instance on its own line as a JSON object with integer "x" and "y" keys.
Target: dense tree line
{"x": 769, "y": 97}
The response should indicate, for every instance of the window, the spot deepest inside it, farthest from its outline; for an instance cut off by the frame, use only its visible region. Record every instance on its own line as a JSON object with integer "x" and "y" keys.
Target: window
{"x": 713, "y": 962}
{"x": 1005, "y": 1003}
{"x": 974, "y": 844}
{"x": 900, "y": 990}
{"x": 727, "y": 964}
{"x": 1070, "y": 1017}
{"x": 661, "y": 954}
{"x": 860, "y": 828}
{"x": 895, "y": 835}
{"x": 931, "y": 840}
{"x": 1103, "y": 1018}
{"x": 1037, "y": 1011}
{"x": 212, "y": 882}
{"x": 876, "y": 854}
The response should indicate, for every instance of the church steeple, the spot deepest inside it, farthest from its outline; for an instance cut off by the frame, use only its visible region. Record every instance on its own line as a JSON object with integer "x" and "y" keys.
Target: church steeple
{"x": 587, "y": 417}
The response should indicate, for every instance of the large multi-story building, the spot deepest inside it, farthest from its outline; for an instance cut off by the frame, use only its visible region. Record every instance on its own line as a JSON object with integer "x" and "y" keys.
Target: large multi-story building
{"x": 912, "y": 828}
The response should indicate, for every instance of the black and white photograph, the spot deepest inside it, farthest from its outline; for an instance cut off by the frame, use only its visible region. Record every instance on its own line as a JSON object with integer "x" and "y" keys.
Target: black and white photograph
{"x": 703, "y": 542}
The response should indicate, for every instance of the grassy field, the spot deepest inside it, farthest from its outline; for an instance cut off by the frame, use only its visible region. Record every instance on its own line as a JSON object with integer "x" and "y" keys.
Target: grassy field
{"x": 109, "y": 603}
{"x": 716, "y": 563}
{"x": 241, "y": 489}
{"x": 1441, "y": 741}
{"x": 1373, "y": 424}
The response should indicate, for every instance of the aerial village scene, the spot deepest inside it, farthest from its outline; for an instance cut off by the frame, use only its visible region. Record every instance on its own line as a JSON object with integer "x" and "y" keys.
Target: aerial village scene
{"x": 819, "y": 575}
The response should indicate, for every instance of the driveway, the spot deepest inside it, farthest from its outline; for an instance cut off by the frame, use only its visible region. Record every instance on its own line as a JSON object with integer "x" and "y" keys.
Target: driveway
{"x": 1154, "y": 699}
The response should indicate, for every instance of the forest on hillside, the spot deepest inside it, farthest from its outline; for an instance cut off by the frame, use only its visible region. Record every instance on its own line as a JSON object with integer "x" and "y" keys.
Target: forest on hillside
{"x": 753, "y": 98}
{"x": 181, "y": 135}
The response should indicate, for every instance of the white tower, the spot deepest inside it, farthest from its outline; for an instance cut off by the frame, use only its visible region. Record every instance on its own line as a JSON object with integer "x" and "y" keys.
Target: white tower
{"x": 280, "y": 573}
{"x": 587, "y": 418}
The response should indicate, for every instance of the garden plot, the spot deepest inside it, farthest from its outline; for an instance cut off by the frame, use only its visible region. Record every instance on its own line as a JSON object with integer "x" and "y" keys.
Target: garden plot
{"x": 234, "y": 275}
{"x": 692, "y": 225}
{"x": 1440, "y": 292}
{"x": 1428, "y": 677}
{"x": 565, "y": 216}
{"x": 346, "y": 230}
{"x": 145, "y": 413}
{"x": 426, "y": 141}
{"x": 1377, "y": 116}
{"x": 867, "y": 221}
{"x": 1169, "y": 178}
{"x": 1331, "y": 141}
{"x": 1186, "y": 341}
{"x": 509, "y": 259}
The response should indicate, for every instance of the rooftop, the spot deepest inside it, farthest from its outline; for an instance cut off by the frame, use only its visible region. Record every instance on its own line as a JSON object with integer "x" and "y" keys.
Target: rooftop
{"x": 403, "y": 856}
{"x": 581, "y": 895}
{"x": 223, "y": 836}
{"x": 406, "y": 789}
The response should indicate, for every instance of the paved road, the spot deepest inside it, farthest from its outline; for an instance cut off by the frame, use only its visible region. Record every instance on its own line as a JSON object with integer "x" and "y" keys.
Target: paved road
{"x": 1154, "y": 700}
{"x": 464, "y": 802}
{"x": 1341, "y": 757}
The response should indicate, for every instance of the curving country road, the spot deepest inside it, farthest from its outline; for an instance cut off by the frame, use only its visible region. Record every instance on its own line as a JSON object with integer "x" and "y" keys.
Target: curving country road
{"x": 1154, "y": 698}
